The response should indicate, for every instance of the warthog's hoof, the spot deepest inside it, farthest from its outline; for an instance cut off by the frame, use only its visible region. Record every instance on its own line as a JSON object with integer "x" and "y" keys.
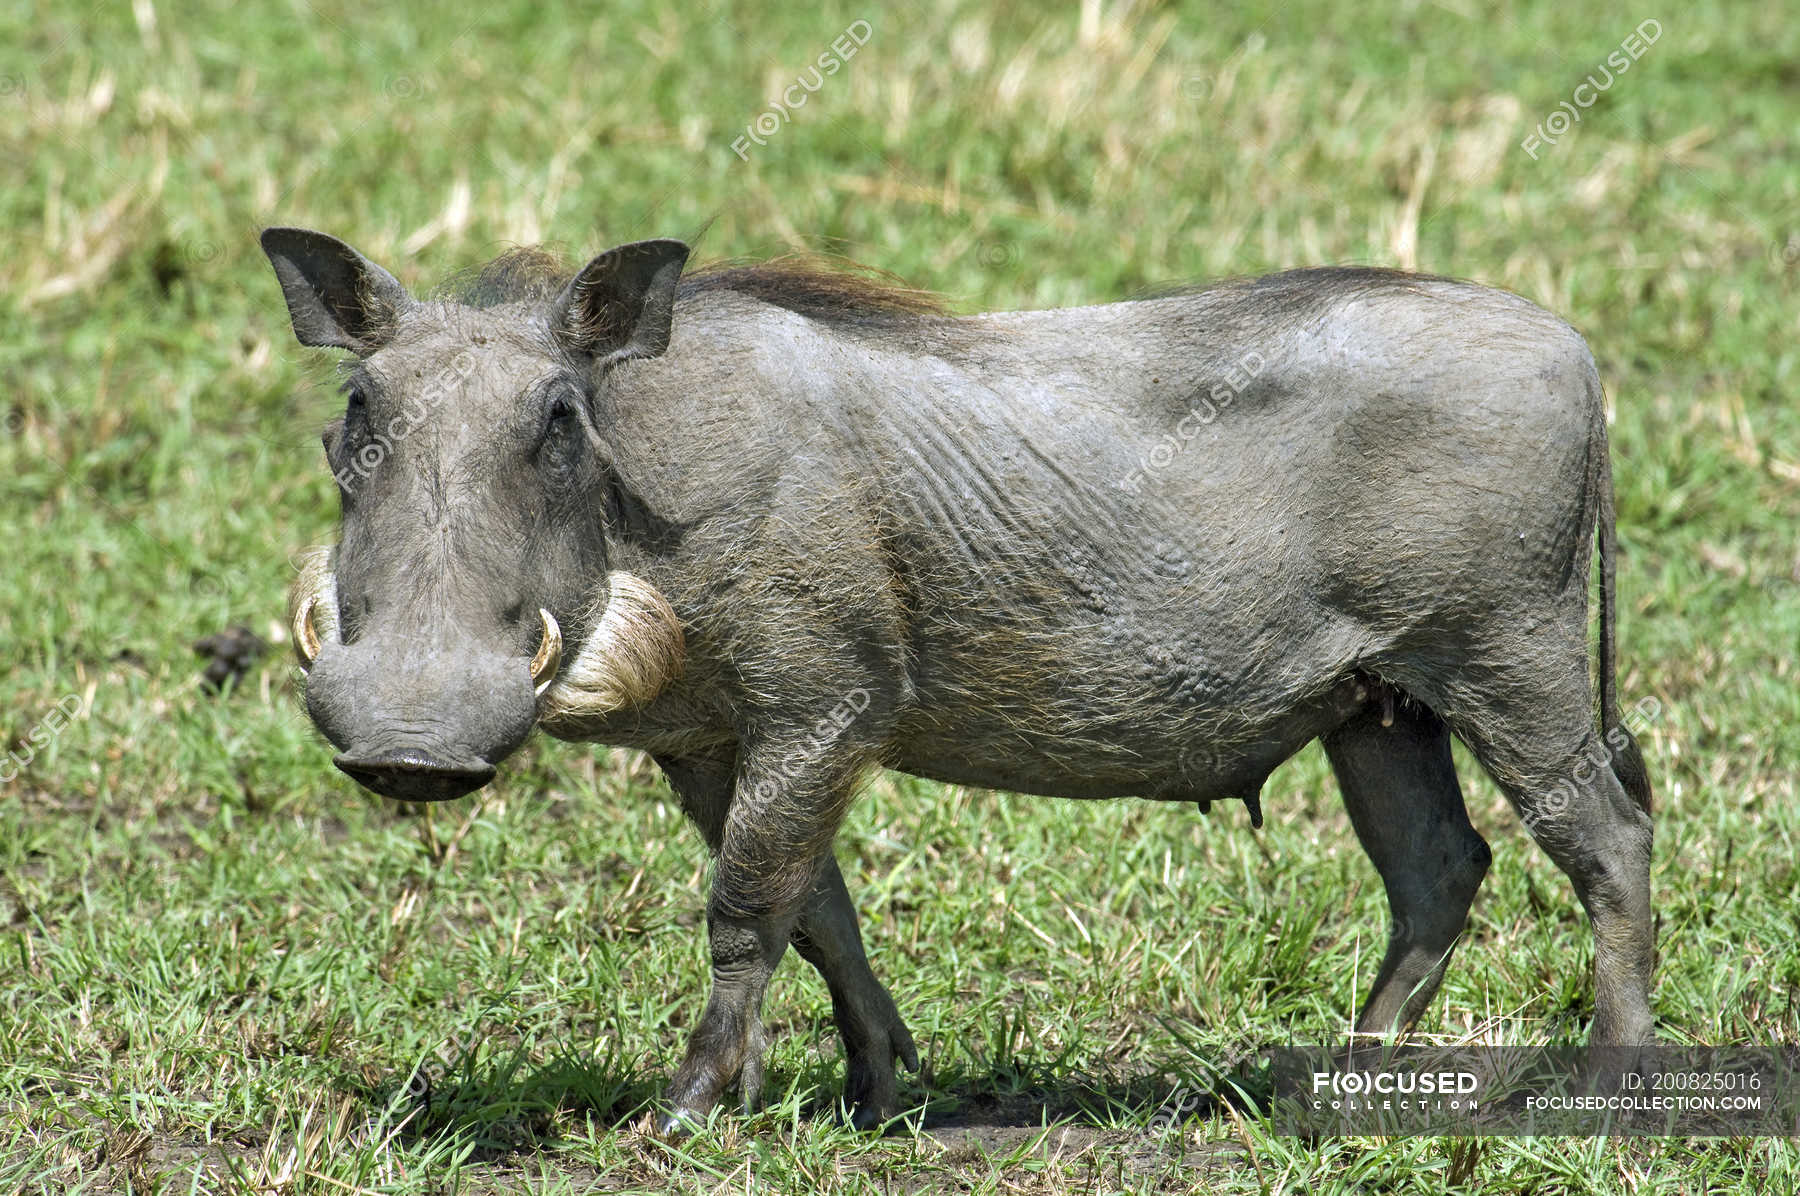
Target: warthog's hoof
{"x": 679, "y": 1123}
{"x": 870, "y": 1090}
{"x": 868, "y": 1118}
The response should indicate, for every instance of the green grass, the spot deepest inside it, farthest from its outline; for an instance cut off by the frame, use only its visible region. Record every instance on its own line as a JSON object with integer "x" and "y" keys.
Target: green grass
{"x": 220, "y": 962}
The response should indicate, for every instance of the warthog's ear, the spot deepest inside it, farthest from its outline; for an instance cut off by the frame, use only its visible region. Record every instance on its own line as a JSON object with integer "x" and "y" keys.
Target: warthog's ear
{"x": 620, "y": 304}
{"x": 337, "y": 298}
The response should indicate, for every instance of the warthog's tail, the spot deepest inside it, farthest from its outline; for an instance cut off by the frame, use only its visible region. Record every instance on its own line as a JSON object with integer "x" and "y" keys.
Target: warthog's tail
{"x": 1627, "y": 759}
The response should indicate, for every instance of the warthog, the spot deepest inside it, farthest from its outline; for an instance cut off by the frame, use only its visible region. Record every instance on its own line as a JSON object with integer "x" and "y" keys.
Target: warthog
{"x": 778, "y": 526}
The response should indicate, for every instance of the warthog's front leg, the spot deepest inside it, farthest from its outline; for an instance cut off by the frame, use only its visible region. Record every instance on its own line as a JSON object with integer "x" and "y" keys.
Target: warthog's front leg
{"x": 727, "y": 1045}
{"x": 774, "y": 884}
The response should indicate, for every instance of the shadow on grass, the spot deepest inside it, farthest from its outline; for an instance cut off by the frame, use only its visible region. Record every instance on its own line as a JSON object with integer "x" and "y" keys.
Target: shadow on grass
{"x": 507, "y": 1105}
{"x": 1021, "y": 1094}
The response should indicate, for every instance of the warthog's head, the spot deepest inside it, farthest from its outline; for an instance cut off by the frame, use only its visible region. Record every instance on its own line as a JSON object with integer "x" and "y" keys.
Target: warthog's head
{"x": 473, "y": 588}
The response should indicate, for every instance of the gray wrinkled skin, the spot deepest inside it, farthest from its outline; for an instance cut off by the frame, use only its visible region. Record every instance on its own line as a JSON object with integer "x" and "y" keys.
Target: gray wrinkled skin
{"x": 946, "y": 546}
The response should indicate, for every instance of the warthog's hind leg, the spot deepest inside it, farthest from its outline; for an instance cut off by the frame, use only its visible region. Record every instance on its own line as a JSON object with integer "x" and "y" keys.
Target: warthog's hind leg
{"x": 1394, "y": 766}
{"x": 1561, "y": 780}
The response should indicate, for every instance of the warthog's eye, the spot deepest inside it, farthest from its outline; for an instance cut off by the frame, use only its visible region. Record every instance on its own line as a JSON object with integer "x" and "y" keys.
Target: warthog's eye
{"x": 350, "y": 449}
{"x": 356, "y": 411}
{"x": 560, "y": 449}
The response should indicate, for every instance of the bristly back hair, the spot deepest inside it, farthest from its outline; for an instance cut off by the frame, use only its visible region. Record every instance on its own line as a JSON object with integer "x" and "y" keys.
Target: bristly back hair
{"x": 831, "y": 290}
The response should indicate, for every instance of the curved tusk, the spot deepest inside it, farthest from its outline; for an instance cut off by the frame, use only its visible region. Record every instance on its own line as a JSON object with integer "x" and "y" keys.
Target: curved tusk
{"x": 549, "y": 653}
{"x": 306, "y": 639}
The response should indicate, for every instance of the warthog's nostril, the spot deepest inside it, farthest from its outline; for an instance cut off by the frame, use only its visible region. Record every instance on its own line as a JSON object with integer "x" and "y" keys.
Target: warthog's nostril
{"x": 414, "y": 776}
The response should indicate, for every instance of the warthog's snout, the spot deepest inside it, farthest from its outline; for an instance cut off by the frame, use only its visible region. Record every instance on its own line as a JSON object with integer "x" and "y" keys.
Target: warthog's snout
{"x": 418, "y": 712}
{"x": 426, "y": 715}
{"x": 419, "y": 717}
{"x": 420, "y": 722}
{"x": 412, "y": 775}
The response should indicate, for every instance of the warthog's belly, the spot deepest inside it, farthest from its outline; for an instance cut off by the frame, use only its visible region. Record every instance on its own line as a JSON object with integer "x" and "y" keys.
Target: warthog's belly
{"x": 1199, "y": 756}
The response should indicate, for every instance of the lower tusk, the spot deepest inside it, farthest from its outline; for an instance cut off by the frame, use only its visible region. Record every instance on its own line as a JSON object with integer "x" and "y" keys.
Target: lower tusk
{"x": 306, "y": 639}
{"x": 549, "y": 653}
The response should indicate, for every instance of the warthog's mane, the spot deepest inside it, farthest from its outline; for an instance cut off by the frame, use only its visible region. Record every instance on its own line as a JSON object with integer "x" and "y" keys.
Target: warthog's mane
{"x": 831, "y": 290}
{"x": 844, "y": 293}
